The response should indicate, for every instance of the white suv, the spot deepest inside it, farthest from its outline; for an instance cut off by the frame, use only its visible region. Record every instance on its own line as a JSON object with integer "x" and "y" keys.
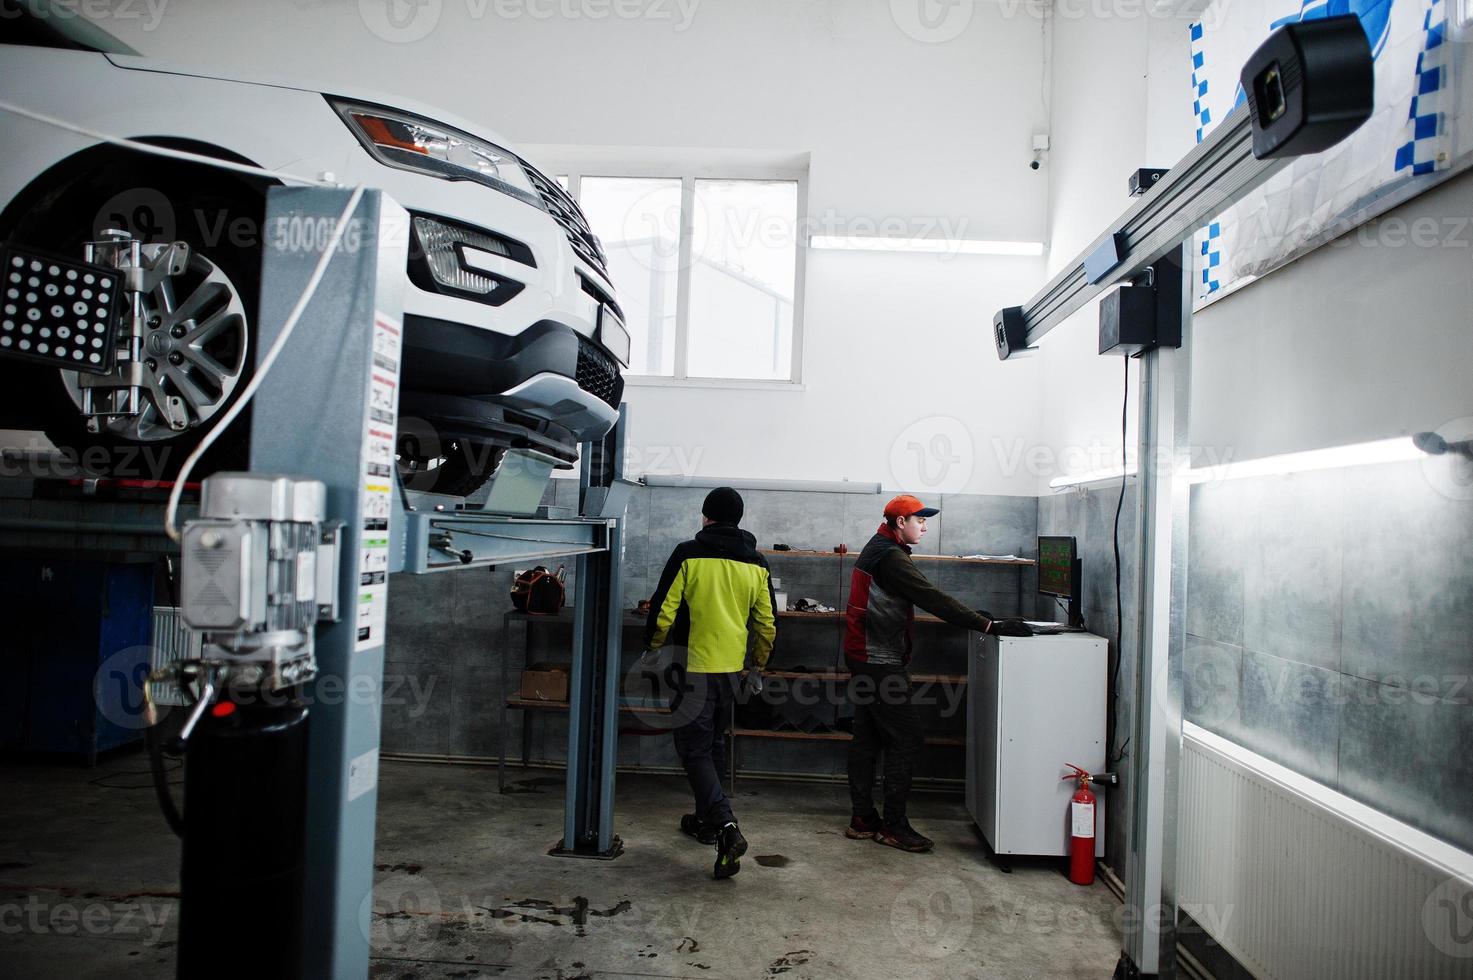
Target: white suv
{"x": 512, "y": 333}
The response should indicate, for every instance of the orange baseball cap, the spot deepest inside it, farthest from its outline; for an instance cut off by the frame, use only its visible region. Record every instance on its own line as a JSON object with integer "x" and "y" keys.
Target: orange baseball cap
{"x": 907, "y": 506}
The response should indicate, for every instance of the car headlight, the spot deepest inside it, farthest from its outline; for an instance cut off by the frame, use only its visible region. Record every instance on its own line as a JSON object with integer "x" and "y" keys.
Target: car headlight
{"x": 398, "y": 139}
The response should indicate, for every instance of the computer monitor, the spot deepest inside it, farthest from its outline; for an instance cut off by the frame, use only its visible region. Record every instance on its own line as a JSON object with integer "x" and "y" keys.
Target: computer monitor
{"x": 1060, "y": 571}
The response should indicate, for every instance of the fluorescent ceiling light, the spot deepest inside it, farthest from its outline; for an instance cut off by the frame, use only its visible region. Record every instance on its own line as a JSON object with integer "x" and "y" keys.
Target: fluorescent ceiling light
{"x": 1114, "y": 473}
{"x": 1398, "y": 450}
{"x": 935, "y": 246}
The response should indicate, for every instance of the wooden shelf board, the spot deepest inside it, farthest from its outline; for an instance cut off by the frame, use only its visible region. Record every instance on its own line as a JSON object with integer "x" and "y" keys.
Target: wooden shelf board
{"x": 796, "y": 553}
{"x": 829, "y": 736}
{"x": 565, "y": 616}
{"x": 527, "y": 705}
{"x": 839, "y": 676}
{"x": 838, "y": 614}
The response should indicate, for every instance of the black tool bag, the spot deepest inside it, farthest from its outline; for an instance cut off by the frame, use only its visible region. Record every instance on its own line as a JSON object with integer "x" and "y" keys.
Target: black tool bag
{"x": 539, "y": 591}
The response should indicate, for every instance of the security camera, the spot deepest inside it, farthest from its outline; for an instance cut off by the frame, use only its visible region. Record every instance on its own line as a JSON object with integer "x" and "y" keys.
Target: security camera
{"x": 1040, "y": 147}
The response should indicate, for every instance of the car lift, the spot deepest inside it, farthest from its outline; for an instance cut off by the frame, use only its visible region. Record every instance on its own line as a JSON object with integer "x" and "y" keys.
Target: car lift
{"x": 340, "y": 371}
{"x": 1146, "y": 245}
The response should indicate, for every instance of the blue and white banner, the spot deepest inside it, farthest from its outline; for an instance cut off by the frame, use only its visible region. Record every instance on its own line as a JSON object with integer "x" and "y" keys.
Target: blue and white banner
{"x": 1409, "y": 134}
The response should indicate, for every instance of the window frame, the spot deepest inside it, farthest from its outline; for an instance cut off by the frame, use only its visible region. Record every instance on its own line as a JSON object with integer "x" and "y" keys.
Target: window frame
{"x": 687, "y": 175}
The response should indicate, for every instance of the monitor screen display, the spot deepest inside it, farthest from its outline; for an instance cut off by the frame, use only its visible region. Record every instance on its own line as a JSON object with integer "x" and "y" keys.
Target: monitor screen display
{"x": 1056, "y": 566}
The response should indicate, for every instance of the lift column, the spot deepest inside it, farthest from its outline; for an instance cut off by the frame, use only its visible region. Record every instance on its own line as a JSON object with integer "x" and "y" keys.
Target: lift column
{"x": 327, "y": 411}
{"x": 593, "y": 690}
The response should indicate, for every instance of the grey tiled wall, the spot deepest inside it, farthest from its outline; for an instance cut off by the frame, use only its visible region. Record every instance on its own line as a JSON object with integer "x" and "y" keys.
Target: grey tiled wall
{"x": 1090, "y": 518}
{"x": 446, "y": 639}
{"x": 1330, "y": 628}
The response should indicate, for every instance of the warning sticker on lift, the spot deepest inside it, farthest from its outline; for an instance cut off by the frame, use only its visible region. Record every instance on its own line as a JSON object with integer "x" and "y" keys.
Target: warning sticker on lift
{"x": 377, "y": 485}
{"x": 362, "y": 774}
{"x": 383, "y": 398}
{"x": 386, "y": 347}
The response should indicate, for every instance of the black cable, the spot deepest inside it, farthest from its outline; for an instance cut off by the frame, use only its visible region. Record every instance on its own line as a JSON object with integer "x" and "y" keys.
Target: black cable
{"x": 105, "y": 781}
{"x": 161, "y": 781}
{"x": 1115, "y": 540}
{"x": 1064, "y": 606}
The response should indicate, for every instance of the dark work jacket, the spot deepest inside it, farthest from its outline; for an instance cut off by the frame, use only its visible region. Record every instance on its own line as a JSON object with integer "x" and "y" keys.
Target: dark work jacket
{"x": 884, "y": 590}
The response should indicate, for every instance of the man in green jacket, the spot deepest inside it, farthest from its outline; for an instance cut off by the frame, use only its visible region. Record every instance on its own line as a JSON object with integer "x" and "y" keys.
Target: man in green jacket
{"x": 710, "y": 588}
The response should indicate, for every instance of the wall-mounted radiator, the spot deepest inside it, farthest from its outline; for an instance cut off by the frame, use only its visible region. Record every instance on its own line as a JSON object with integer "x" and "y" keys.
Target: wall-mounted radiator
{"x": 1297, "y": 881}
{"x": 171, "y": 643}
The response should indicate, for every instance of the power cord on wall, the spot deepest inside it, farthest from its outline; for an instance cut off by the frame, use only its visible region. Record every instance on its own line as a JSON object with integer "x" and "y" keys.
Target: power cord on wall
{"x": 1115, "y": 757}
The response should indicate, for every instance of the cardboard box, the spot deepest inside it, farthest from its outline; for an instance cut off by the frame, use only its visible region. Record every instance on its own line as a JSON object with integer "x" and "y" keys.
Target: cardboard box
{"x": 545, "y": 682}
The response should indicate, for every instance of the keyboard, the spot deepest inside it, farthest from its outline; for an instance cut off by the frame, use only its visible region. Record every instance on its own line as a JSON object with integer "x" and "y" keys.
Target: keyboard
{"x": 1051, "y": 629}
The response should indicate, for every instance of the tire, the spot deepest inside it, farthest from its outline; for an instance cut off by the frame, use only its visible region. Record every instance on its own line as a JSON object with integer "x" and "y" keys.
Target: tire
{"x": 220, "y": 216}
{"x": 432, "y": 462}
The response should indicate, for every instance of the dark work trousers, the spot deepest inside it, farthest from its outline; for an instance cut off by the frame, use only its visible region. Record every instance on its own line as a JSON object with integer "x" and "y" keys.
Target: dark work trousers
{"x": 885, "y": 718}
{"x": 701, "y": 742}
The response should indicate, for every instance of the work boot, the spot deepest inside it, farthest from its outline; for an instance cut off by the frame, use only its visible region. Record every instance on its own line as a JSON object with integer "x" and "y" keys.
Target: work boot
{"x": 863, "y": 828}
{"x": 693, "y": 826}
{"x": 729, "y": 850}
{"x": 900, "y": 834}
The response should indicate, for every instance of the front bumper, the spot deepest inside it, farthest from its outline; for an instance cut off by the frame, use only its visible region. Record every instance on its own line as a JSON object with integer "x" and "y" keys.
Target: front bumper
{"x": 548, "y": 370}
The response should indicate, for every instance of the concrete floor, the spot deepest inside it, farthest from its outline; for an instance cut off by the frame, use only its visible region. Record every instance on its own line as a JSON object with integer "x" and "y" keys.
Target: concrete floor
{"x": 88, "y": 887}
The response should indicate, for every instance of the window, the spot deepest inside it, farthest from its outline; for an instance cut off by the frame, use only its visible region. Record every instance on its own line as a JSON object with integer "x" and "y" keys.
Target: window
{"x": 742, "y": 273}
{"x": 638, "y": 221}
{"x": 708, "y": 271}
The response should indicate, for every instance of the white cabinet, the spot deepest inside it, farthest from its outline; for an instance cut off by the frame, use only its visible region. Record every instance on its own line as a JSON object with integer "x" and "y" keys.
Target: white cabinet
{"x": 1034, "y": 704}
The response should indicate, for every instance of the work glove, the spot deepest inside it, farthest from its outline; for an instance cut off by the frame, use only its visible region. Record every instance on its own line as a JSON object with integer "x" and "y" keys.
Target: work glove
{"x": 650, "y": 659}
{"x": 753, "y": 681}
{"x": 1010, "y": 627}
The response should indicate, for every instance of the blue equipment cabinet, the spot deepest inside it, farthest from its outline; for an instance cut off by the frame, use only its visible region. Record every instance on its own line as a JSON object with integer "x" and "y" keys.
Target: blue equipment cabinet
{"x": 78, "y": 652}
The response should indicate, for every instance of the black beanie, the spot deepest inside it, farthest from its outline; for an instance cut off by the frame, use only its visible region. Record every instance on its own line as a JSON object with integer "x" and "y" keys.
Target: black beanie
{"x": 724, "y": 506}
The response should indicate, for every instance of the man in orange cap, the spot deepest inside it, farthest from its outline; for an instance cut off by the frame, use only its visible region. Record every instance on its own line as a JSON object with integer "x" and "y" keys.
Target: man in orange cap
{"x": 885, "y": 589}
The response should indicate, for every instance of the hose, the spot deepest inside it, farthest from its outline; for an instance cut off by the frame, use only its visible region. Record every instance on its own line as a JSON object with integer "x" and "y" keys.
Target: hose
{"x": 156, "y": 758}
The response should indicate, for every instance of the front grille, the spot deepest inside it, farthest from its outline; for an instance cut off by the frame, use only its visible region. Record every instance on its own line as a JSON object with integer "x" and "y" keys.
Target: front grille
{"x": 565, "y": 212}
{"x": 597, "y": 373}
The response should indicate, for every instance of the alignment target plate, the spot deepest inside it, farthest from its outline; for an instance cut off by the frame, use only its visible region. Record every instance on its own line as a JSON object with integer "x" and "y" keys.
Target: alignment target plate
{"x": 59, "y": 311}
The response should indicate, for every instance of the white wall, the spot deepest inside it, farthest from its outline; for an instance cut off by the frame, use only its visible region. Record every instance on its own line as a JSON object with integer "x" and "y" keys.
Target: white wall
{"x": 1120, "y": 101}
{"x": 902, "y": 120}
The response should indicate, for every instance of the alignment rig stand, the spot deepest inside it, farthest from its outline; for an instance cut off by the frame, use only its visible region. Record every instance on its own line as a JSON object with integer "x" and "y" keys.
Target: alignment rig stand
{"x": 1309, "y": 86}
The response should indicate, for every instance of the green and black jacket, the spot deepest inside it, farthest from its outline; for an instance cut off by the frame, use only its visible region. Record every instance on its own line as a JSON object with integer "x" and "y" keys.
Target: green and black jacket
{"x": 710, "y": 589}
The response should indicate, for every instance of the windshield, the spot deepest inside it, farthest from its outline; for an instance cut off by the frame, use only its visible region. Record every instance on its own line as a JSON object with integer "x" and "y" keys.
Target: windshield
{"x": 42, "y": 24}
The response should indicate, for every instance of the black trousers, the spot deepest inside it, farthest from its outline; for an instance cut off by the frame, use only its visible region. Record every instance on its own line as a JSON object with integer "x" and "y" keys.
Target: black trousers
{"x": 700, "y": 741}
{"x": 886, "y": 718}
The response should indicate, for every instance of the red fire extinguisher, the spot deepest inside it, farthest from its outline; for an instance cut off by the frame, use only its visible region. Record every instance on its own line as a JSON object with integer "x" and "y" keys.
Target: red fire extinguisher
{"x": 1082, "y": 828}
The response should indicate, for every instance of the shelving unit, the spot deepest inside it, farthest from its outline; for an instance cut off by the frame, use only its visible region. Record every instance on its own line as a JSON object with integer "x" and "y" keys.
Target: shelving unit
{"x": 632, "y": 621}
{"x": 528, "y": 706}
{"x": 1019, "y": 564}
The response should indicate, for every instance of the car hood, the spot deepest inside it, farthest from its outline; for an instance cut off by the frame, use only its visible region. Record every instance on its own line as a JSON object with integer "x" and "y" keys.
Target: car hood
{"x": 385, "y": 99}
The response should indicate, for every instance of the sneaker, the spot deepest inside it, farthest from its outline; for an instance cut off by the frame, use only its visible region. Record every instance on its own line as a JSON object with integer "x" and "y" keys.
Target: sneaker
{"x": 691, "y": 826}
{"x": 903, "y": 836}
{"x": 863, "y": 828}
{"x": 729, "y": 850}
